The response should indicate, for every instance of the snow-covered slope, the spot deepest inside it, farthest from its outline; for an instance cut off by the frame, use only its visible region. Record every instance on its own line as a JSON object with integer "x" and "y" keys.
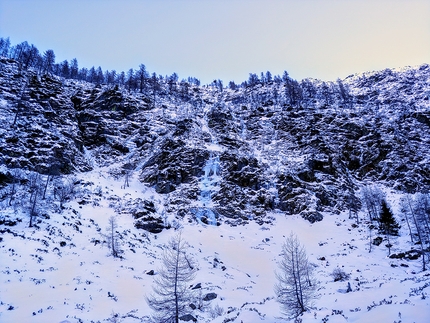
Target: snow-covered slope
{"x": 61, "y": 269}
{"x": 235, "y": 170}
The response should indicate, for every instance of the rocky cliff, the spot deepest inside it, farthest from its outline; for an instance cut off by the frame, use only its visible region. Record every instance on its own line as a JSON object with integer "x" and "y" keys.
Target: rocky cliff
{"x": 299, "y": 148}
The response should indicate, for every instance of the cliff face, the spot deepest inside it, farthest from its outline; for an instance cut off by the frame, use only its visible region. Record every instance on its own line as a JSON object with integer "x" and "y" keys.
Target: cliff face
{"x": 301, "y": 148}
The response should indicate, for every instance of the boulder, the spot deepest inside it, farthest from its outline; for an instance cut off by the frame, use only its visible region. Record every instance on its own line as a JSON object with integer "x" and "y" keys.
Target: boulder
{"x": 187, "y": 318}
{"x": 210, "y": 296}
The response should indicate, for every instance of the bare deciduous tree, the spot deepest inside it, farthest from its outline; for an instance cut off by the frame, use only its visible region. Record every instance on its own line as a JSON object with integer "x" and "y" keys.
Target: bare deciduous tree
{"x": 372, "y": 198}
{"x": 172, "y": 294}
{"x": 296, "y": 287}
{"x": 64, "y": 189}
{"x": 34, "y": 188}
{"x": 54, "y": 170}
{"x": 113, "y": 238}
{"x": 16, "y": 177}
{"x": 418, "y": 210}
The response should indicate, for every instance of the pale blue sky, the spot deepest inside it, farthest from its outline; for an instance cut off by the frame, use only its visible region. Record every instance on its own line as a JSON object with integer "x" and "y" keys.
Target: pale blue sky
{"x": 226, "y": 39}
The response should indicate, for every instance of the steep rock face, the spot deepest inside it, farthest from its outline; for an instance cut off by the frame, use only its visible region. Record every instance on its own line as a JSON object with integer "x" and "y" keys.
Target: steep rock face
{"x": 39, "y": 129}
{"x": 172, "y": 165}
{"x": 243, "y": 190}
{"x": 300, "y": 150}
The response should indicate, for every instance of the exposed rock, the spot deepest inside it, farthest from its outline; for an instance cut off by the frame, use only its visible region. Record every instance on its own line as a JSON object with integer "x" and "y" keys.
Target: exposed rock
{"x": 197, "y": 286}
{"x": 210, "y": 296}
{"x": 150, "y": 224}
{"x": 187, "y": 318}
{"x": 410, "y": 255}
{"x": 377, "y": 241}
{"x": 173, "y": 165}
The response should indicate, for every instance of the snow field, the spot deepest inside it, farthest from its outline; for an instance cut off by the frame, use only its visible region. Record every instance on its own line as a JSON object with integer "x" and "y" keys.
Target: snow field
{"x": 45, "y": 280}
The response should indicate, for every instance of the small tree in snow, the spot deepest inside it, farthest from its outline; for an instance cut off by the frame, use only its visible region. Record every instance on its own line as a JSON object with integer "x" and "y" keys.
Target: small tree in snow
{"x": 372, "y": 198}
{"x": 419, "y": 212}
{"x": 388, "y": 224}
{"x": 35, "y": 192}
{"x": 112, "y": 238}
{"x": 64, "y": 189}
{"x": 16, "y": 178}
{"x": 296, "y": 287}
{"x": 172, "y": 294}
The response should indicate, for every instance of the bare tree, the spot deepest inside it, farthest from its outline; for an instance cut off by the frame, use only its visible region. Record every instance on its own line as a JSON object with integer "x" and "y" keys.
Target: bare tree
{"x": 64, "y": 189}
{"x": 34, "y": 188}
{"x": 16, "y": 177}
{"x": 405, "y": 207}
{"x": 127, "y": 175}
{"x": 112, "y": 237}
{"x": 419, "y": 210}
{"x": 354, "y": 205}
{"x": 54, "y": 170}
{"x": 172, "y": 294}
{"x": 372, "y": 198}
{"x": 296, "y": 287}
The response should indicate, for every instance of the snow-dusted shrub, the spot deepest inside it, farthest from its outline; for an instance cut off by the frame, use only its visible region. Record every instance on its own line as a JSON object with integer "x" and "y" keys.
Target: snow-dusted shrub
{"x": 339, "y": 274}
{"x": 216, "y": 311}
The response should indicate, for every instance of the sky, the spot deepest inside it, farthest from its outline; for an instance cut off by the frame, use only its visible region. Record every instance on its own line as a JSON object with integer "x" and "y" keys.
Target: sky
{"x": 226, "y": 39}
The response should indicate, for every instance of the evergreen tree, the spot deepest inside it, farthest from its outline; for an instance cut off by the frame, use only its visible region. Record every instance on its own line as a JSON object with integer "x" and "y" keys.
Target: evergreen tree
{"x": 100, "y": 78}
{"x": 74, "y": 69}
{"x": 253, "y": 79}
{"x": 83, "y": 74}
{"x": 65, "y": 69}
{"x": 232, "y": 85}
{"x": 268, "y": 77}
{"x": 387, "y": 223}
{"x": 48, "y": 61}
{"x": 142, "y": 77}
{"x": 130, "y": 83}
{"x": 4, "y": 46}
{"x": 92, "y": 75}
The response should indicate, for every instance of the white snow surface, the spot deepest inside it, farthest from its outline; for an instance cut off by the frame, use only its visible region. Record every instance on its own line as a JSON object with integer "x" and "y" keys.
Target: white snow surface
{"x": 42, "y": 281}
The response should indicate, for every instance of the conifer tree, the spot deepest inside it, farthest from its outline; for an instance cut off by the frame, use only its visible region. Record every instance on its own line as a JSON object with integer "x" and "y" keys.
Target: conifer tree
{"x": 113, "y": 238}
{"x": 296, "y": 286}
{"x": 388, "y": 224}
{"x": 172, "y": 294}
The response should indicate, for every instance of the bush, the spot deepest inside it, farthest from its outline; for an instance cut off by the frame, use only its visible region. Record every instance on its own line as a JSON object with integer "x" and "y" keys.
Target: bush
{"x": 339, "y": 275}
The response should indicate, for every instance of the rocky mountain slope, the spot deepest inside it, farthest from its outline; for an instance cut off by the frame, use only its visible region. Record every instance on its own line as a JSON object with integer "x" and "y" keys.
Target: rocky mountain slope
{"x": 301, "y": 148}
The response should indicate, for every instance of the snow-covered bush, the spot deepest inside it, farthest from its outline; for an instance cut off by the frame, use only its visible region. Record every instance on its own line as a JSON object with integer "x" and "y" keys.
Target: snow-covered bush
{"x": 339, "y": 274}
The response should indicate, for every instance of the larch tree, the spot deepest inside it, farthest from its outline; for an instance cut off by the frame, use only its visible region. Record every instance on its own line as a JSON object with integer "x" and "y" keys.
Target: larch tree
{"x": 74, "y": 69}
{"x": 296, "y": 286}
{"x": 48, "y": 61}
{"x": 172, "y": 294}
{"x": 112, "y": 238}
{"x": 34, "y": 183}
{"x": 372, "y": 198}
{"x": 142, "y": 77}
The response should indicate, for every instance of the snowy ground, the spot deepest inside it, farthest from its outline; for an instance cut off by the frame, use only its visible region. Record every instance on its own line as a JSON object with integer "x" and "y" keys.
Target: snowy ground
{"x": 60, "y": 272}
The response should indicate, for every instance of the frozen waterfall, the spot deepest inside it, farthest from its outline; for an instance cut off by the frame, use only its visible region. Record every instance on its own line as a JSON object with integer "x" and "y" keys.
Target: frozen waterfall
{"x": 208, "y": 184}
